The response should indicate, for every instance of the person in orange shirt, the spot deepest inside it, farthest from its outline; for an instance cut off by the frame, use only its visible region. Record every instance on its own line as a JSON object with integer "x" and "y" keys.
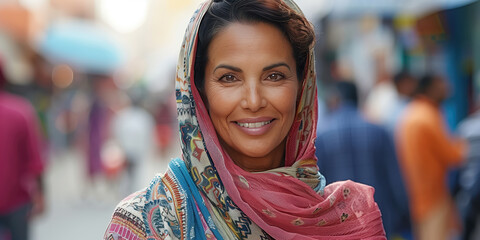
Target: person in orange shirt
{"x": 426, "y": 153}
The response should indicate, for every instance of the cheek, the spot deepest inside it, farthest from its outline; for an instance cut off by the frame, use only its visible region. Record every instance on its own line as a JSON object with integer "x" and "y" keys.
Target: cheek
{"x": 221, "y": 104}
{"x": 286, "y": 102}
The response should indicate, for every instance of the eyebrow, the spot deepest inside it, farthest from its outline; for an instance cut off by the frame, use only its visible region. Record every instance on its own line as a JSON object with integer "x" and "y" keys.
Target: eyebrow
{"x": 236, "y": 69}
{"x": 276, "y": 65}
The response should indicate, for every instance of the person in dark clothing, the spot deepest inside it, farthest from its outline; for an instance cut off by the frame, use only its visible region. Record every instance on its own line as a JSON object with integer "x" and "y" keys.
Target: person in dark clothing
{"x": 468, "y": 195}
{"x": 350, "y": 147}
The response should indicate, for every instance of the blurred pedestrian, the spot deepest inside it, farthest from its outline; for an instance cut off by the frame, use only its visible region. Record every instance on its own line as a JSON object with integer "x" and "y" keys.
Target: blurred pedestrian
{"x": 382, "y": 96}
{"x": 165, "y": 126}
{"x": 133, "y": 129}
{"x": 405, "y": 86}
{"x": 21, "y": 165}
{"x": 468, "y": 195}
{"x": 96, "y": 136}
{"x": 350, "y": 147}
{"x": 426, "y": 154}
{"x": 98, "y": 122}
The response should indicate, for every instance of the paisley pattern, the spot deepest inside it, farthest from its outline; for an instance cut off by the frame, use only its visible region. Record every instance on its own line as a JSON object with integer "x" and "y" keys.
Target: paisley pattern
{"x": 205, "y": 195}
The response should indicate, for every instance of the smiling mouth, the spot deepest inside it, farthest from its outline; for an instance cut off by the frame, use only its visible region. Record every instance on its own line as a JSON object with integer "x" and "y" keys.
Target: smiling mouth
{"x": 254, "y": 125}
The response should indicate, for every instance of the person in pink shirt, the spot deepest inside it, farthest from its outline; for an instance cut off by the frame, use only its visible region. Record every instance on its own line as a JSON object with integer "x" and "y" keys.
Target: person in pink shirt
{"x": 21, "y": 164}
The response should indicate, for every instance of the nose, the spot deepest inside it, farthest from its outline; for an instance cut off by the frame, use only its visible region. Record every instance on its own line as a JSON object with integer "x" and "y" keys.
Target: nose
{"x": 253, "y": 97}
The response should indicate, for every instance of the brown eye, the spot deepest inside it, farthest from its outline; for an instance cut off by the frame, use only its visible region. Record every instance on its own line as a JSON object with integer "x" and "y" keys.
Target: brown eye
{"x": 275, "y": 76}
{"x": 228, "y": 78}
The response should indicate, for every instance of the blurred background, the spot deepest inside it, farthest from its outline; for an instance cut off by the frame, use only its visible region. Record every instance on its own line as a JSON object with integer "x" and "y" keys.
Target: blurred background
{"x": 100, "y": 73}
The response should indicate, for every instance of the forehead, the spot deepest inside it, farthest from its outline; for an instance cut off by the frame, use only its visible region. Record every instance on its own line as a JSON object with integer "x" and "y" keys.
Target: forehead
{"x": 253, "y": 40}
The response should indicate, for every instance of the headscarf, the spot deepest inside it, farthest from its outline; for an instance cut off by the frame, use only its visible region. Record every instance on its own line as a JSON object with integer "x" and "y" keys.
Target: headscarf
{"x": 289, "y": 202}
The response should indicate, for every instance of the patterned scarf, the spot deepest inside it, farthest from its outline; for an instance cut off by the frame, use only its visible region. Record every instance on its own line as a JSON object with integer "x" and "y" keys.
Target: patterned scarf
{"x": 290, "y": 202}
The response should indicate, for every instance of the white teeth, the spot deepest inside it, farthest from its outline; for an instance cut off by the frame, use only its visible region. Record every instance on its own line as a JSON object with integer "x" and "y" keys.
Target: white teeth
{"x": 253, "y": 125}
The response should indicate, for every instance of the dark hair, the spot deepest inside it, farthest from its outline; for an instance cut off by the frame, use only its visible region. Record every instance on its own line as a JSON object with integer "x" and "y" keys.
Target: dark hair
{"x": 347, "y": 91}
{"x": 425, "y": 83}
{"x": 401, "y": 76}
{"x": 3, "y": 78}
{"x": 296, "y": 28}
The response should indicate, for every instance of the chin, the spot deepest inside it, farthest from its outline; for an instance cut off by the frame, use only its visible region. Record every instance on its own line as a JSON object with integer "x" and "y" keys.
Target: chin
{"x": 253, "y": 153}
{"x": 256, "y": 154}
{"x": 260, "y": 150}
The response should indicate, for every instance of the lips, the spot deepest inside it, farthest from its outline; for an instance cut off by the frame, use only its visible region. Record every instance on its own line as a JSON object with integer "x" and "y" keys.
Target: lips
{"x": 256, "y": 126}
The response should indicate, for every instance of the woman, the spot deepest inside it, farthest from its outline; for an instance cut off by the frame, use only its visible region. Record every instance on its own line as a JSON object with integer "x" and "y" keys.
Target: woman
{"x": 246, "y": 102}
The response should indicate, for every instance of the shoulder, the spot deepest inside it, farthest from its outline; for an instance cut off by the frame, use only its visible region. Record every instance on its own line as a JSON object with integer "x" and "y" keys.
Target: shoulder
{"x": 16, "y": 108}
{"x": 354, "y": 204}
{"x": 15, "y": 104}
{"x": 127, "y": 218}
{"x": 151, "y": 212}
{"x": 418, "y": 115}
{"x": 377, "y": 130}
{"x": 13, "y": 100}
{"x": 470, "y": 127}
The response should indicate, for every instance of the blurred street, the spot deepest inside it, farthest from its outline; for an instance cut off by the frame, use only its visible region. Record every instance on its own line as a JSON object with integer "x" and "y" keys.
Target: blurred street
{"x": 68, "y": 208}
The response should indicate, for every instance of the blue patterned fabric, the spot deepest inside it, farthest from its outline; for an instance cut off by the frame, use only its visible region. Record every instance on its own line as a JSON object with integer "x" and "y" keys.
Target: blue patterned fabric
{"x": 193, "y": 197}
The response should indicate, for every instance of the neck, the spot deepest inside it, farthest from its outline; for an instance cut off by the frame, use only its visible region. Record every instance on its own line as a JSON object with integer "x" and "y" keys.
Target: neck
{"x": 431, "y": 99}
{"x": 274, "y": 159}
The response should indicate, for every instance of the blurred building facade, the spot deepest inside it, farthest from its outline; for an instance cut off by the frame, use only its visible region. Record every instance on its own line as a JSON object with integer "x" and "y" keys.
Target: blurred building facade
{"x": 374, "y": 44}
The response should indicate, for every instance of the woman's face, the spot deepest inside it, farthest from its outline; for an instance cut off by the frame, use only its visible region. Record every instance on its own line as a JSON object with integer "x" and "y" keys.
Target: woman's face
{"x": 251, "y": 90}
